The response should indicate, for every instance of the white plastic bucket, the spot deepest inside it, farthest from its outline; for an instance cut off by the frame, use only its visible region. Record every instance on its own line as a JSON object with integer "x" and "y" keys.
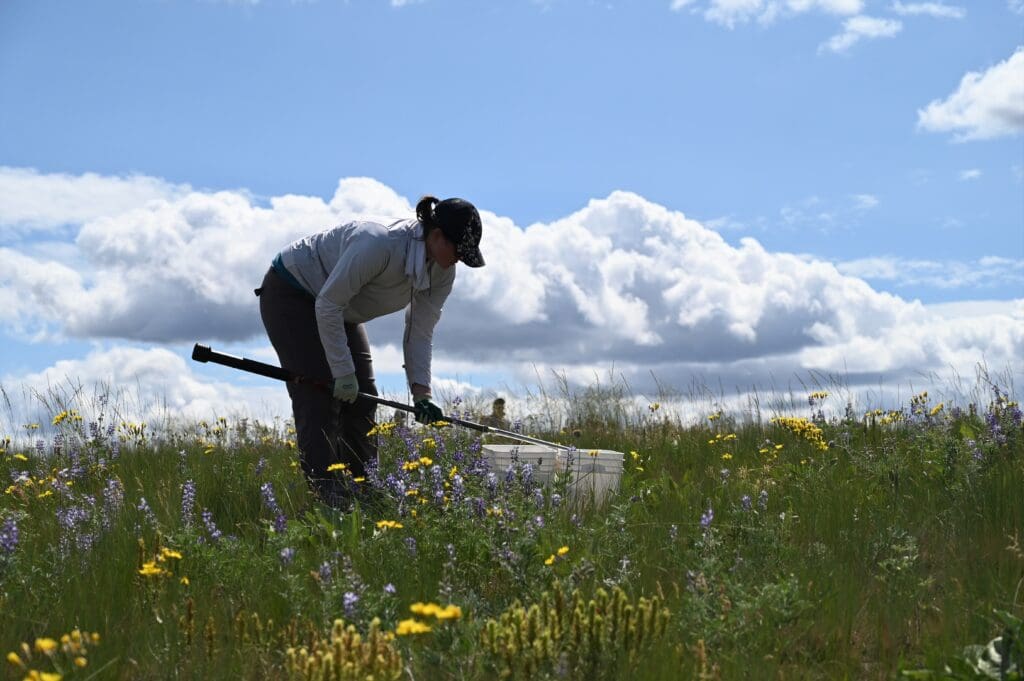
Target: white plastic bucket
{"x": 595, "y": 472}
{"x": 544, "y": 460}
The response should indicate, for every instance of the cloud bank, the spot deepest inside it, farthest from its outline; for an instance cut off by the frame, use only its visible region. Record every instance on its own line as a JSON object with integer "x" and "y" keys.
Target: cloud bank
{"x": 987, "y": 104}
{"x": 621, "y": 282}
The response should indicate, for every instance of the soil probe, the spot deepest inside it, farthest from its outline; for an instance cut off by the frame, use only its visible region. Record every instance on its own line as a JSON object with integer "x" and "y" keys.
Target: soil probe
{"x": 203, "y": 353}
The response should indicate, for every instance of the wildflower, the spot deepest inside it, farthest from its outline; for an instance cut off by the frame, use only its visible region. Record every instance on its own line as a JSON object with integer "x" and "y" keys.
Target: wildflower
{"x": 762, "y": 500}
{"x": 388, "y": 525}
{"x": 166, "y": 553}
{"x": 654, "y": 407}
{"x": 337, "y": 467}
{"x": 8, "y": 536}
{"x": 673, "y": 532}
{"x": 151, "y": 569}
{"x": 15, "y": 660}
{"x": 410, "y": 544}
{"x": 21, "y": 457}
{"x": 184, "y": 581}
{"x": 550, "y": 560}
{"x": 325, "y": 572}
{"x": 81, "y": 662}
{"x": 389, "y": 589}
{"x": 563, "y": 550}
{"x": 707, "y": 517}
{"x": 286, "y": 555}
{"x": 726, "y": 457}
{"x": 724, "y": 473}
{"x": 211, "y": 526}
{"x": 411, "y": 626}
{"x": 746, "y": 502}
{"x": 261, "y": 465}
{"x": 188, "y": 502}
{"x": 349, "y": 602}
{"x": 936, "y": 409}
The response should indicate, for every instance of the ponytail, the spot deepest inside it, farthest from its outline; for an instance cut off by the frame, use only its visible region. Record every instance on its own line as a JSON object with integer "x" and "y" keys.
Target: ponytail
{"x": 425, "y": 212}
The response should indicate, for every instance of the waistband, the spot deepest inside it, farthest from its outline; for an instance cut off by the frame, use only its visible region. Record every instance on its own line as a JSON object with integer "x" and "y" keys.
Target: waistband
{"x": 283, "y": 272}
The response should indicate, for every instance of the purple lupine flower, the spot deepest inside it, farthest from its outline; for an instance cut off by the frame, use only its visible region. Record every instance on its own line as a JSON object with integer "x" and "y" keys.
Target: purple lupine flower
{"x": 8, "y": 537}
{"x": 747, "y": 502}
{"x": 528, "y": 476}
{"x": 389, "y": 589}
{"x": 975, "y": 450}
{"x": 349, "y": 601}
{"x": 188, "y": 502}
{"x": 479, "y": 507}
{"x": 260, "y": 465}
{"x": 762, "y": 500}
{"x": 113, "y": 500}
{"x": 510, "y": 475}
{"x": 325, "y": 572}
{"x": 556, "y": 499}
{"x": 492, "y": 485}
{"x": 40, "y": 447}
{"x": 538, "y": 497}
{"x": 410, "y": 544}
{"x": 458, "y": 488}
{"x": 707, "y": 517}
{"x": 286, "y": 555}
{"x": 270, "y": 502}
{"x": 211, "y": 527}
{"x": 146, "y": 511}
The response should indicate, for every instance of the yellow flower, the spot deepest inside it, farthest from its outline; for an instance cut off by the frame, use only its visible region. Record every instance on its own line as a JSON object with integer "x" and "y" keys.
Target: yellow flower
{"x": 426, "y": 460}
{"x": 151, "y": 569}
{"x": 635, "y": 455}
{"x": 81, "y": 662}
{"x": 59, "y": 418}
{"x": 389, "y": 524}
{"x": 45, "y": 645}
{"x": 337, "y": 467}
{"x": 410, "y": 465}
{"x": 936, "y": 409}
{"x": 15, "y": 659}
{"x": 95, "y": 639}
{"x": 453, "y": 471}
{"x": 550, "y": 560}
{"x": 21, "y": 457}
{"x": 359, "y": 479}
{"x": 411, "y": 626}
{"x": 654, "y": 407}
{"x": 564, "y": 550}
{"x": 166, "y": 553}
{"x": 448, "y": 612}
{"x": 411, "y": 492}
{"x": 727, "y": 456}
{"x": 184, "y": 580}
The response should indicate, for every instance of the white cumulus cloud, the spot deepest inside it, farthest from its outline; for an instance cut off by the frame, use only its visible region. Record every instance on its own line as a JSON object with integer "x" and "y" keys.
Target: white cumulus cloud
{"x": 986, "y": 104}
{"x": 622, "y": 281}
{"x": 859, "y": 28}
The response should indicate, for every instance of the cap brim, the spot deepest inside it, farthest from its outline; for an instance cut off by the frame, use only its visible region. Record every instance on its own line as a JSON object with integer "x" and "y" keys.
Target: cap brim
{"x": 472, "y": 258}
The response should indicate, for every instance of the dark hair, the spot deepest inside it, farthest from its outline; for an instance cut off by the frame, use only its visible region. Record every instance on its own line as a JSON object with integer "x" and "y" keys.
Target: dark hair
{"x": 425, "y": 212}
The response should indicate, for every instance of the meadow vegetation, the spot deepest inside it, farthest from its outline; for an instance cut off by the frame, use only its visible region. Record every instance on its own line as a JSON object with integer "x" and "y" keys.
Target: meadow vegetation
{"x": 862, "y": 545}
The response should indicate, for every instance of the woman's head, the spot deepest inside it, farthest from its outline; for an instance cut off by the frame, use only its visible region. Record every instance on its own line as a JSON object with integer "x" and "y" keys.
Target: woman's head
{"x": 452, "y": 230}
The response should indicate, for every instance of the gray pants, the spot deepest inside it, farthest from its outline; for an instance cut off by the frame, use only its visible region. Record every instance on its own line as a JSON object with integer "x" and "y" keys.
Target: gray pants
{"x": 327, "y": 431}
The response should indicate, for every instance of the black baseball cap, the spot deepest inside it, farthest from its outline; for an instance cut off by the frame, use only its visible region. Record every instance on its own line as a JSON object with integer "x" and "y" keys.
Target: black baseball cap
{"x": 459, "y": 220}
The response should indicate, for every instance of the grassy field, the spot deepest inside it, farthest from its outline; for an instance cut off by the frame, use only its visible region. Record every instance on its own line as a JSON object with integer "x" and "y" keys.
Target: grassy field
{"x": 856, "y": 547}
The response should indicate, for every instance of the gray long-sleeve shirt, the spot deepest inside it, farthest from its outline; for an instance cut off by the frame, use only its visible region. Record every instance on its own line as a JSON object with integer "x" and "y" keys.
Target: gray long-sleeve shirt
{"x": 357, "y": 272}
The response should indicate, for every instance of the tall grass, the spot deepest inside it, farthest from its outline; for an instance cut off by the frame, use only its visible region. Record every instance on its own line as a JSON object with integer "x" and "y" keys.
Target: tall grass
{"x": 757, "y": 547}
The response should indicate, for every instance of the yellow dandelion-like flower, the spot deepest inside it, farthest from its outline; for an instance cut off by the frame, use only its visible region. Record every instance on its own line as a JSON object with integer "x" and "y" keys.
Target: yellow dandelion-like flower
{"x": 21, "y": 457}
{"x": 453, "y": 472}
{"x": 550, "y": 560}
{"x": 448, "y": 612}
{"x": 389, "y": 525}
{"x": 45, "y": 645}
{"x": 410, "y": 465}
{"x": 337, "y": 467}
{"x": 59, "y": 418}
{"x": 411, "y": 626}
{"x": 166, "y": 553}
{"x": 81, "y": 662}
{"x": 184, "y": 581}
{"x": 411, "y": 492}
{"x": 635, "y": 455}
{"x": 936, "y": 409}
{"x": 359, "y": 479}
{"x": 151, "y": 569}
{"x": 15, "y": 659}
{"x": 563, "y": 550}
{"x": 727, "y": 456}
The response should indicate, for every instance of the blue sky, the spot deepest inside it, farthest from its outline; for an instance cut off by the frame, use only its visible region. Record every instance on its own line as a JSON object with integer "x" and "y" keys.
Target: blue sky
{"x": 801, "y": 124}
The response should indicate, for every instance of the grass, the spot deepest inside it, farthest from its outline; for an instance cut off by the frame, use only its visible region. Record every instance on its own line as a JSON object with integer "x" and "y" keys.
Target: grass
{"x": 857, "y": 547}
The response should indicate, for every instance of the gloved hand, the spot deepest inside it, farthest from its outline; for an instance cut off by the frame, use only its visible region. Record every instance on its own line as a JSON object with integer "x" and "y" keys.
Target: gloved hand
{"x": 346, "y": 388}
{"x": 427, "y": 411}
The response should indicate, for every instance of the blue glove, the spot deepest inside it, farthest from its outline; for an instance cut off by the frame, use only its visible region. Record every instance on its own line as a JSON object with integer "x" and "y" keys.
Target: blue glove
{"x": 427, "y": 411}
{"x": 346, "y": 388}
